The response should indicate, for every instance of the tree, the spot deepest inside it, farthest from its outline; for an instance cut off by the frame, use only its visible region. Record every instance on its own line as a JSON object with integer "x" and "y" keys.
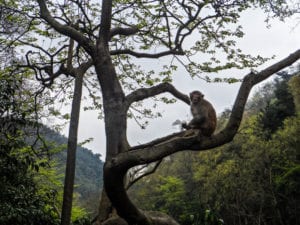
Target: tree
{"x": 128, "y": 30}
{"x": 280, "y": 106}
{"x": 294, "y": 84}
{"x": 21, "y": 202}
{"x": 72, "y": 139}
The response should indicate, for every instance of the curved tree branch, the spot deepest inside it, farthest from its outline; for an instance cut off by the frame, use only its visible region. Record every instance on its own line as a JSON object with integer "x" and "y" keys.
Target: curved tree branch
{"x": 146, "y": 55}
{"x": 123, "y": 31}
{"x": 81, "y": 69}
{"x": 64, "y": 29}
{"x": 144, "y": 93}
{"x": 142, "y": 172}
{"x": 157, "y": 141}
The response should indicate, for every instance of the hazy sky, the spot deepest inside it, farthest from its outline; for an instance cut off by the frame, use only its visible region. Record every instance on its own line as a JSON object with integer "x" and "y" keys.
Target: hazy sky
{"x": 280, "y": 40}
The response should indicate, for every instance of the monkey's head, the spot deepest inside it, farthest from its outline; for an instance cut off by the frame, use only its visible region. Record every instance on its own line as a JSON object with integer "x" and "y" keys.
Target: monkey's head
{"x": 196, "y": 97}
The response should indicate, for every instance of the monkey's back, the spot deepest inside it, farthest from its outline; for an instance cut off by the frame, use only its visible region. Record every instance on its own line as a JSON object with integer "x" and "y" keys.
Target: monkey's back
{"x": 211, "y": 123}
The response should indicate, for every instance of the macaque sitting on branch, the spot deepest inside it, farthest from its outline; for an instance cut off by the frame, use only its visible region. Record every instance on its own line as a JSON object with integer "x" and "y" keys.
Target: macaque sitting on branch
{"x": 204, "y": 115}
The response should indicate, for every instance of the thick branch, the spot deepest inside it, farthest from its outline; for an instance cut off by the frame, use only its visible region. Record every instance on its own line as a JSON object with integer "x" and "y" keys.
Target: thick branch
{"x": 146, "y": 55}
{"x": 144, "y": 93}
{"x": 123, "y": 31}
{"x": 64, "y": 29}
{"x": 139, "y": 173}
{"x": 70, "y": 53}
{"x": 157, "y": 141}
{"x": 105, "y": 20}
{"x": 81, "y": 69}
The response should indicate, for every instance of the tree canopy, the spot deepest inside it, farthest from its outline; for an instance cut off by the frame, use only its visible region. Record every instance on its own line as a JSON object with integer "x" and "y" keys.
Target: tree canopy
{"x": 109, "y": 36}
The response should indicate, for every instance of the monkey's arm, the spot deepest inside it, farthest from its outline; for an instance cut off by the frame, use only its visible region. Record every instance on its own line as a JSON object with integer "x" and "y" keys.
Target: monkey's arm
{"x": 196, "y": 122}
{"x": 186, "y": 126}
{"x": 199, "y": 119}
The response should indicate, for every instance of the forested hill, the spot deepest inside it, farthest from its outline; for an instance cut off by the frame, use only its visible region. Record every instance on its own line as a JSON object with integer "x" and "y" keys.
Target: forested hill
{"x": 88, "y": 177}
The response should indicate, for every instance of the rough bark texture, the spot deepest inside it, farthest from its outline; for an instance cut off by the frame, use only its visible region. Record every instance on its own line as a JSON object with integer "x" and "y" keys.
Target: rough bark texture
{"x": 119, "y": 155}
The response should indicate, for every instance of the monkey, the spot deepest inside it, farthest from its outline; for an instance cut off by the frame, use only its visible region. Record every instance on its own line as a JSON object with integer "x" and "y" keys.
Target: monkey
{"x": 204, "y": 115}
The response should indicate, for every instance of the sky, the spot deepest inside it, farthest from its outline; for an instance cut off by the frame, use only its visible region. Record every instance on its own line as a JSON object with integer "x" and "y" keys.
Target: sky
{"x": 279, "y": 40}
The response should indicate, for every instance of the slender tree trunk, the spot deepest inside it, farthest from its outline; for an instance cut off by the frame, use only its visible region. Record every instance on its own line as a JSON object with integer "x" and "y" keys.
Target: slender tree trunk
{"x": 71, "y": 152}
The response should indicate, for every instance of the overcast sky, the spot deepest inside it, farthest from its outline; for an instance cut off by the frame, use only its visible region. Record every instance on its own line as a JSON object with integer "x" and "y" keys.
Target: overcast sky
{"x": 280, "y": 40}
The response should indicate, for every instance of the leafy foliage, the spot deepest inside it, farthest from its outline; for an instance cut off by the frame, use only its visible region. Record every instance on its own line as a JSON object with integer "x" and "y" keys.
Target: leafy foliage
{"x": 21, "y": 202}
{"x": 294, "y": 86}
{"x": 31, "y": 182}
{"x": 279, "y": 107}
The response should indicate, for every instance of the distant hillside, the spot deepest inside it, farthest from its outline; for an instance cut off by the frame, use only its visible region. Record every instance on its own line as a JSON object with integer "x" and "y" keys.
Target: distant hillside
{"x": 89, "y": 169}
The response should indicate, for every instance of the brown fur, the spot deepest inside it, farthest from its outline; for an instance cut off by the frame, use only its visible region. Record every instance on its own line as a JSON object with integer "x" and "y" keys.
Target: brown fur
{"x": 204, "y": 115}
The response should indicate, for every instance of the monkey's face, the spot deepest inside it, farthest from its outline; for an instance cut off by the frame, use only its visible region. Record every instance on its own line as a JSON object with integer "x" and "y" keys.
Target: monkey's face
{"x": 196, "y": 97}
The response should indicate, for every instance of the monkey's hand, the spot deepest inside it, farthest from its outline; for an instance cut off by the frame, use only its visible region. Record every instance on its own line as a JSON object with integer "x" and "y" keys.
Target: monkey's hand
{"x": 184, "y": 125}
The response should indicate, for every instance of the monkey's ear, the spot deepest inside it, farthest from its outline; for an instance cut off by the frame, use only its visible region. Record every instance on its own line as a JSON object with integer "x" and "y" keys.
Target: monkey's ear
{"x": 202, "y": 95}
